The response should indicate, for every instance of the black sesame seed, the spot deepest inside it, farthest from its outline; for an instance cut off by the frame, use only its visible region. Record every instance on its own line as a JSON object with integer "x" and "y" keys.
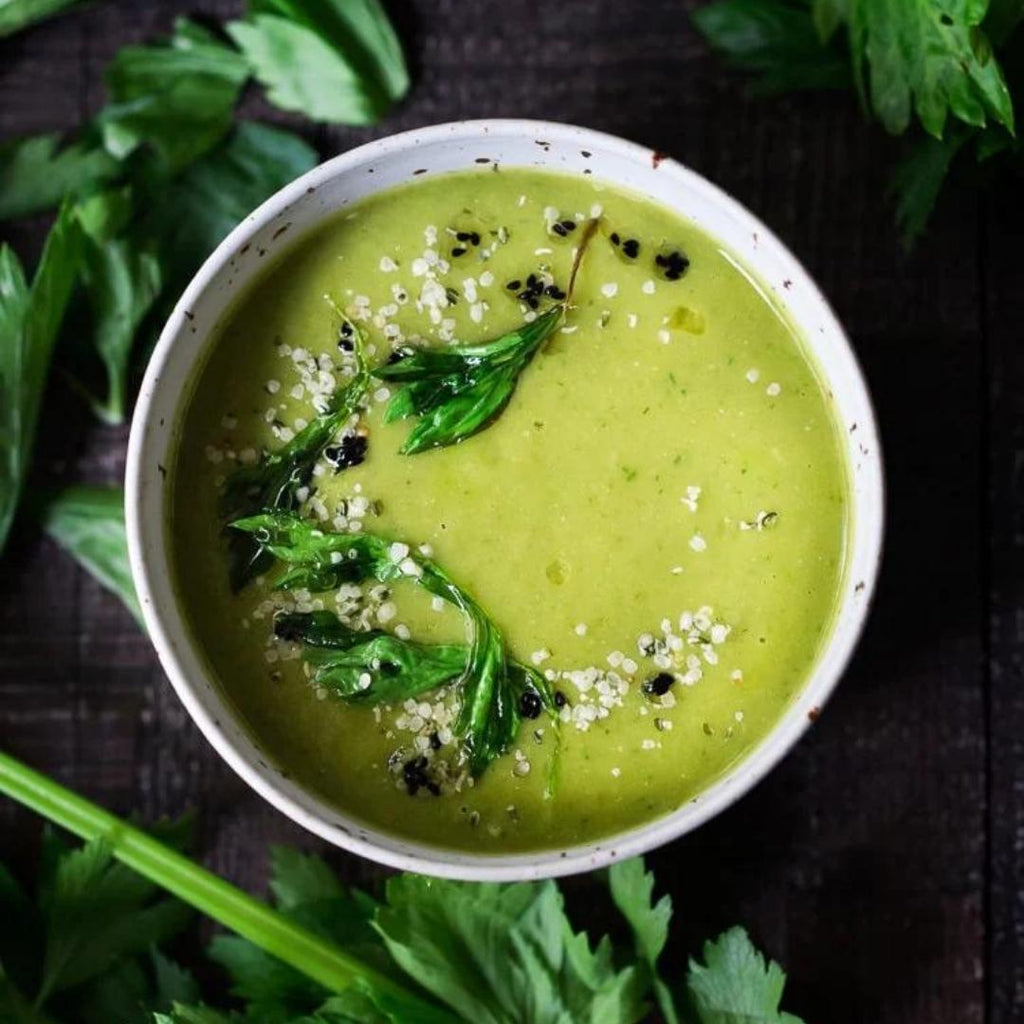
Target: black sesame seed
{"x": 396, "y": 356}
{"x": 631, "y": 248}
{"x": 531, "y": 281}
{"x": 530, "y": 704}
{"x": 532, "y": 302}
{"x": 615, "y": 238}
{"x": 559, "y": 230}
{"x": 554, "y": 292}
{"x": 435, "y": 741}
{"x": 458, "y": 251}
{"x": 515, "y": 285}
{"x": 569, "y": 225}
{"x": 350, "y": 451}
{"x": 346, "y": 345}
{"x": 560, "y": 700}
{"x": 474, "y": 238}
{"x": 658, "y": 685}
{"x": 462, "y": 236}
{"x": 414, "y": 772}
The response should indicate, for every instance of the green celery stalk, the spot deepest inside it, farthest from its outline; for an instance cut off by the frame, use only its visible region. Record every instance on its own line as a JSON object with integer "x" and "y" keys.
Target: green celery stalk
{"x": 209, "y": 894}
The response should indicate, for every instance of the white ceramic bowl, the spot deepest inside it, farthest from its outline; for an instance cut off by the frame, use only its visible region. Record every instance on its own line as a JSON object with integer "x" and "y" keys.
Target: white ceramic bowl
{"x": 302, "y": 206}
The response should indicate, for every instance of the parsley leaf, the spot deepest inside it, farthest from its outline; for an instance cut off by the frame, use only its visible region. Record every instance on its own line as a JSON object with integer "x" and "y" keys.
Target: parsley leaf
{"x": 35, "y": 174}
{"x": 502, "y": 954}
{"x": 332, "y": 60}
{"x": 459, "y": 391}
{"x": 777, "y": 42}
{"x": 492, "y": 683}
{"x": 930, "y": 56}
{"x": 918, "y": 179}
{"x": 98, "y": 911}
{"x": 122, "y": 282}
{"x": 192, "y": 214}
{"x": 88, "y": 522}
{"x": 735, "y": 986}
{"x": 177, "y": 97}
{"x": 30, "y": 318}
{"x": 632, "y": 890}
{"x": 18, "y": 14}
{"x": 370, "y": 666}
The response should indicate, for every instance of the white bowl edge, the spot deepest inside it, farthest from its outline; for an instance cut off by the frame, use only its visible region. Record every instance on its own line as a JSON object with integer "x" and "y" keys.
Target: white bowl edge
{"x": 385, "y": 163}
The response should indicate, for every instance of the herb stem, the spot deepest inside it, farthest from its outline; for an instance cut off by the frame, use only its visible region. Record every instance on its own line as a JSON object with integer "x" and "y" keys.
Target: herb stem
{"x": 588, "y": 234}
{"x": 252, "y": 919}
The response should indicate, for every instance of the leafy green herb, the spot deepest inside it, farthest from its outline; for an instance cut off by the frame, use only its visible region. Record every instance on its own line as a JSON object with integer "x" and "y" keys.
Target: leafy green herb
{"x": 503, "y": 954}
{"x": 36, "y": 174}
{"x": 146, "y": 240}
{"x": 458, "y": 391}
{"x": 930, "y": 56}
{"x": 30, "y": 318}
{"x": 483, "y": 953}
{"x": 88, "y": 522}
{"x": 274, "y": 481}
{"x": 332, "y": 60}
{"x": 939, "y": 60}
{"x": 81, "y": 947}
{"x": 735, "y": 986}
{"x": 775, "y": 41}
{"x": 632, "y": 889}
{"x": 18, "y": 14}
{"x": 177, "y": 97}
{"x": 491, "y": 683}
{"x": 370, "y": 666}
{"x": 122, "y": 282}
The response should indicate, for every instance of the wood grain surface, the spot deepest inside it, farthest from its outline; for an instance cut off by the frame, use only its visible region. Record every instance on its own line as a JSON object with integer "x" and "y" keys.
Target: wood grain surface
{"x": 882, "y": 861}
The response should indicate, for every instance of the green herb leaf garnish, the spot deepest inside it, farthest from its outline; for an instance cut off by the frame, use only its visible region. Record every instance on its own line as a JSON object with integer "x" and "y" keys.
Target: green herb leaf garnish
{"x": 331, "y": 60}
{"x": 932, "y": 58}
{"x": 632, "y": 890}
{"x": 178, "y": 97}
{"x": 503, "y": 954}
{"x": 776, "y": 42}
{"x": 30, "y": 319}
{"x": 88, "y": 522}
{"x": 370, "y": 666}
{"x": 734, "y": 985}
{"x": 458, "y": 391}
{"x": 16, "y": 15}
{"x": 937, "y": 63}
{"x": 122, "y": 282}
{"x": 491, "y": 684}
{"x": 36, "y": 174}
{"x": 274, "y": 481}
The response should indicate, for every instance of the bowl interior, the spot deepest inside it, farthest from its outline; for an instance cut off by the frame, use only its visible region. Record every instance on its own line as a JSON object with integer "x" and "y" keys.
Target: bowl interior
{"x": 285, "y": 219}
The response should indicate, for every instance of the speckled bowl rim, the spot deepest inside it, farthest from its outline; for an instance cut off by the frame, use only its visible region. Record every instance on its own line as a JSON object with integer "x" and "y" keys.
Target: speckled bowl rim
{"x": 473, "y": 144}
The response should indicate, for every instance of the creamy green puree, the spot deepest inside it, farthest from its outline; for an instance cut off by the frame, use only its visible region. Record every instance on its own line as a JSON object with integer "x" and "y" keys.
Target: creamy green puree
{"x": 664, "y": 493}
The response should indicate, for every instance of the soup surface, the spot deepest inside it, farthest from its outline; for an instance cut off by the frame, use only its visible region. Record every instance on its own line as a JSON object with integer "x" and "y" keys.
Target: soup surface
{"x": 655, "y": 523}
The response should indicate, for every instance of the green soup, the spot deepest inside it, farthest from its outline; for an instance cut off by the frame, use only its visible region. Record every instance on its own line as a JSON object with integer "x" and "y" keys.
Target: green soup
{"x": 656, "y": 521}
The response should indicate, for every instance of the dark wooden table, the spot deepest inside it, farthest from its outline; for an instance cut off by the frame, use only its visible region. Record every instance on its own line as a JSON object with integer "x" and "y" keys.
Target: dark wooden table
{"x": 883, "y": 862}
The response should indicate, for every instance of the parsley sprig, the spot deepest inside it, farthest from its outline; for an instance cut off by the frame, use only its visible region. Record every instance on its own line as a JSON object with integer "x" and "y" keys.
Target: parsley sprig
{"x": 954, "y": 66}
{"x": 274, "y": 481}
{"x": 460, "y": 390}
{"x": 86, "y": 947}
{"x": 491, "y": 683}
